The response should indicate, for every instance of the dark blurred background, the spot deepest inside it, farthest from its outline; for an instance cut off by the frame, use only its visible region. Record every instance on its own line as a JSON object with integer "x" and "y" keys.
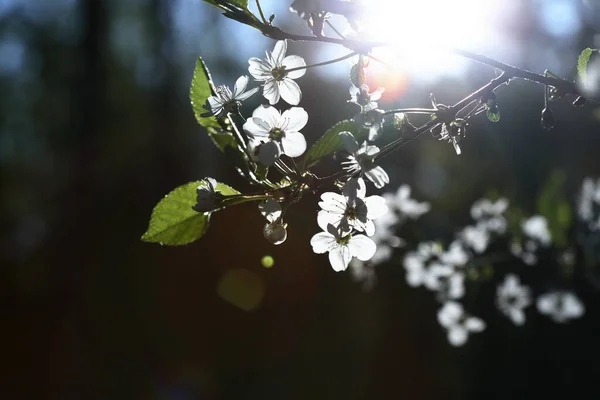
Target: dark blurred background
{"x": 96, "y": 126}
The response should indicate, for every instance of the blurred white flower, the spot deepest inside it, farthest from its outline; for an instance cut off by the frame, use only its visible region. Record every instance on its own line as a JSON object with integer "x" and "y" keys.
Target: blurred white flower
{"x": 512, "y": 298}
{"x": 455, "y": 255}
{"x": 560, "y": 306}
{"x": 275, "y": 231}
{"x": 589, "y": 203}
{"x": 361, "y": 97}
{"x": 224, "y": 101}
{"x": 536, "y": 227}
{"x": 371, "y": 120}
{"x": 489, "y": 215}
{"x": 206, "y": 196}
{"x": 277, "y": 133}
{"x": 403, "y": 203}
{"x": 361, "y": 160}
{"x": 456, "y": 286}
{"x": 475, "y": 237}
{"x": 341, "y": 247}
{"x": 363, "y": 272}
{"x": 275, "y": 72}
{"x": 452, "y": 316}
{"x": 351, "y": 209}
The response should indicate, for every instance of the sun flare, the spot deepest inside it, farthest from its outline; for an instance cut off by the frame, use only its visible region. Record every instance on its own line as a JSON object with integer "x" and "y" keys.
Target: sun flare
{"x": 423, "y": 31}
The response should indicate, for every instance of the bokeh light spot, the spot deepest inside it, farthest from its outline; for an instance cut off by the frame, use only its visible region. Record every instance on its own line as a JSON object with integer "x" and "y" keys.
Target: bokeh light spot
{"x": 267, "y": 261}
{"x": 241, "y": 288}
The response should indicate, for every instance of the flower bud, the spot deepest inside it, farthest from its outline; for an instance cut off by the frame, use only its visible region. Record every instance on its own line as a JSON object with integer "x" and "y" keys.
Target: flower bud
{"x": 548, "y": 121}
{"x": 275, "y": 232}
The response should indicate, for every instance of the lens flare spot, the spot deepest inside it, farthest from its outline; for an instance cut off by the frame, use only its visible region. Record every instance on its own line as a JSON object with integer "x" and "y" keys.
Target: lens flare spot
{"x": 241, "y": 288}
{"x": 267, "y": 261}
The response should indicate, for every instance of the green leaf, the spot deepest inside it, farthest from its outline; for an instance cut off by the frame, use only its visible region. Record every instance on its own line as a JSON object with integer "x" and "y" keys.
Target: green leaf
{"x": 239, "y": 3}
{"x": 493, "y": 113}
{"x": 330, "y": 142}
{"x": 582, "y": 63}
{"x": 201, "y": 89}
{"x": 173, "y": 221}
{"x": 553, "y": 204}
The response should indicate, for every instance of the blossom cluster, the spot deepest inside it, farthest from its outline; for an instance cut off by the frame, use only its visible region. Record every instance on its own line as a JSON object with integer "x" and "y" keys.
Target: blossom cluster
{"x": 359, "y": 231}
{"x": 447, "y": 272}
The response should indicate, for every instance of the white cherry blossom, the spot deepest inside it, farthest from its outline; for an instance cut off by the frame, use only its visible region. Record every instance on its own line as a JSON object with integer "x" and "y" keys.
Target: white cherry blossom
{"x": 512, "y": 298}
{"x": 352, "y": 209}
{"x": 273, "y": 133}
{"x": 225, "y": 101}
{"x": 361, "y": 97}
{"x": 561, "y": 306}
{"x": 476, "y": 237}
{"x": 361, "y": 160}
{"x": 341, "y": 247}
{"x": 536, "y": 228}
{"x": 275, "y": 231}
{"x": 459, "y": 325}
{"x": 589, "y": 203}
{"x": 371, "y": 120}
{"x": 490, "y": 215}
{"x": 273, "y": 71}
{"x": 404, "y": 204}
{"x": 206, "y": 196}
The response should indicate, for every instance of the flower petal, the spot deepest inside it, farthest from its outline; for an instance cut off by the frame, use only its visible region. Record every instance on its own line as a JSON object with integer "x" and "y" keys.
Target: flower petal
{"x": 256, "y": 128}
{"x": 271, "y": 91}
{"x": 457, "y": 335}
{"x": 339, "y": 258}
{"x": 450, "y": 314}
{"x": 474, "y": 324}
{"x": 322, "y": 242}
{"x": 362, "y": 247}
{"x": 246, "y": 95}
{"x": 268, "y": 114}
{"x": 290, "y": 91}
{"x": 295, "y": 119}
{"x": 291, "y": 62}
{"x": 376, "y": 206}
{"x": 355, "y": 188}
{"x": 240, "y": 85}
{"x": 333, "y": 202}
{"x": 259, "y": 69}
{"x": 378, "y": 176}
{"x": 279, "y": 52}
{"x": 294, "y": 144}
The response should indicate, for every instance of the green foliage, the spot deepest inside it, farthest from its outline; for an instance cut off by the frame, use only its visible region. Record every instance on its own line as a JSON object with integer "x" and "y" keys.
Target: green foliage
{"x": 223, "y": 3}
{"x": 201, "y": 89}
{"x": 330, "y": 142}
{"x": 553, "y": 204}
{"x": 582, "y": 63}
{"x": 173, "y": 221}
{"x": 237, "y": 10}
